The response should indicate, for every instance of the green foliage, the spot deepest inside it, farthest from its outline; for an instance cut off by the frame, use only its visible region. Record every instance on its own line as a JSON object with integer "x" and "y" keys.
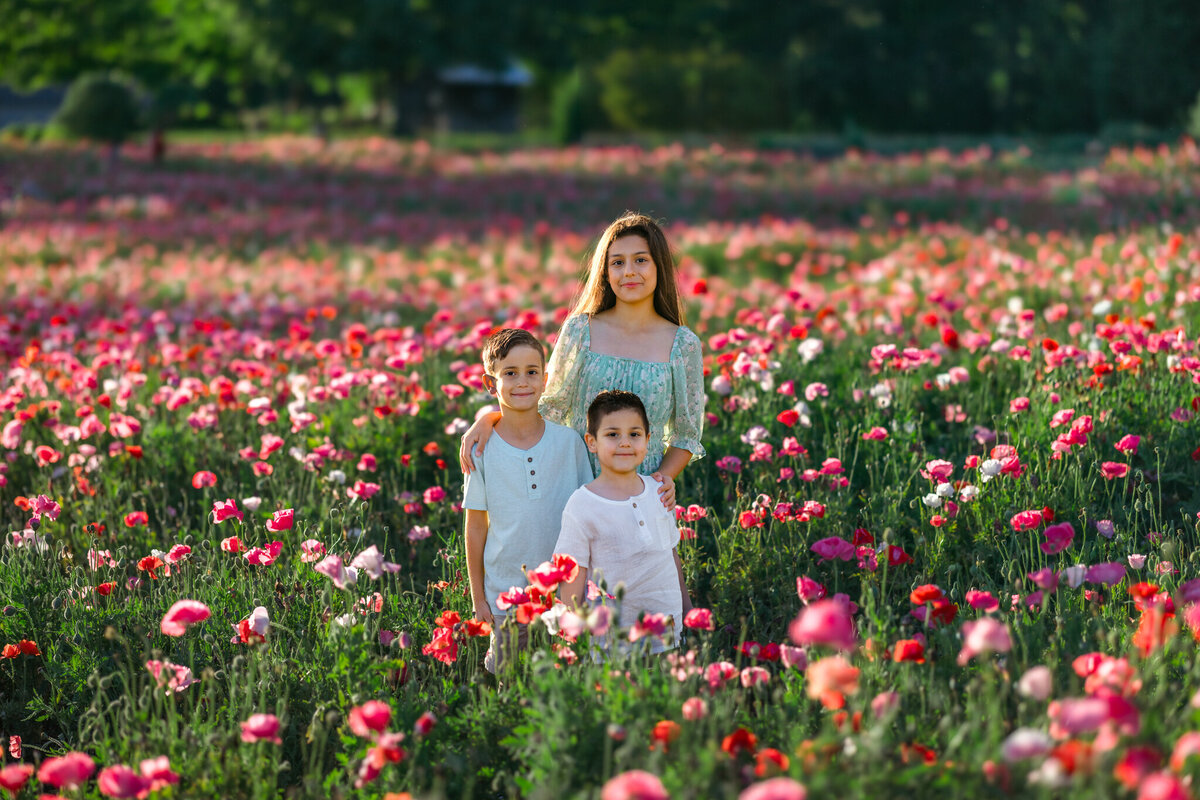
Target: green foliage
{"x": 102, "y": 107}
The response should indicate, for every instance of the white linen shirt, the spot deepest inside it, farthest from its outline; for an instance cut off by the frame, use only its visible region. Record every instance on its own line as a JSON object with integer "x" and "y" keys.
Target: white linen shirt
{"x": 630, "y": 542}
{"x": 524, "y": 493}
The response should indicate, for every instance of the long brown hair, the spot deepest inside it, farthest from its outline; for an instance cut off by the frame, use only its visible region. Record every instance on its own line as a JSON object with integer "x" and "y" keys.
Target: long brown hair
{"x": 597, "y": 294}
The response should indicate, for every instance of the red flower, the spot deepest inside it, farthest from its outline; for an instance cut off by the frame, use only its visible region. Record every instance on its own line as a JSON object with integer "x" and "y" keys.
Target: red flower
{"x": 203, "y": 478}
{"x": 134, "y": 518}
{"x": 897, "y": 556}
{"x": 28, "y": 648}
{"x": 788, "y": 417}
{"x": 149, "y": 564}
{"x": 448, "y": 619}
{"x": 926, "y": 594}
{"x": 105, "y": 589}
{"x": 740, "y": 741}
{"x": 770, "y": 762}
{"x": 908, "y": 650}
{"x": 663, "y": 734}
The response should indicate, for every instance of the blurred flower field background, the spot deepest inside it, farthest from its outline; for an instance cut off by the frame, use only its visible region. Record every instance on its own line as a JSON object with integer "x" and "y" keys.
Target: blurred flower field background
{"x": 945, "y": 535}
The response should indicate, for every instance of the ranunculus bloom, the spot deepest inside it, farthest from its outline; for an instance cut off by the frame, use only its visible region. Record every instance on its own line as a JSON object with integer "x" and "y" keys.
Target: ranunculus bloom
{"x": 774, "y": 789}
{"x": 67, "y": 771}
{"x": 634, "y": 785}
{"x": 370, "y": 718}
{"x": 121, "y": 781}
{"x": 825, "y": 622}
{"x": 182, "y": 614}
{"x": 281, "y": 520}
{"x": 699, "y": 619}
{"x": 261, "y": 727}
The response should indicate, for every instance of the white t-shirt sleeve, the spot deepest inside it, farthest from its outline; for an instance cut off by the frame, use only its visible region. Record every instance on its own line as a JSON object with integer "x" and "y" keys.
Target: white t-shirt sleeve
{"x": 583, "y": 464}
{"x": 573, "y": 539}
{"x": 475, "y": 489}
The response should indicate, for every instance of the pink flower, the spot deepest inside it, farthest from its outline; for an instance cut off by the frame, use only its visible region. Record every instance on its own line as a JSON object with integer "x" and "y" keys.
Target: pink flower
{"x": 67, "y": 771}
{"x": 182, "y": 614}
{"x": 434, "y": 495}
{"x": 774, "y": 789}
{"x": 1108, "y": 573}
{"x": 372, "y": 562}
{"x": 172, "y": 677}
{"x": 694, "y": 708}
{"x": 254, "y": 628}
{"x": 833, "y": 548}
{"x": 876, "y": 434}
{"x": 178, "y": 553}
{"x": 371, "y": 718}
{"x": 43, "y": 506}
{"x": 311, "y": 550}
{"x": 1058, "y": 538}
{"x": 121, "y": 781}
{"x": 884, "y": 703}
{"x": 424, "y": 724}
{"x": 203, "y": 478}
{"x": 232, "y": 544}
{"x": 261, "y": 727}
{"x": 1026, "y": 520}
{"x": 158, "y": 772}
{"x": 718, "y": 674}
{"x": 1113, "y": 469}
{"x": 15, "y": 776}
{"x": 984, "y": 635}
{"x": 1037, "y": 682}
{"x": 650, "y": 625}
{"x": 367, "y": 462}
{"x": 752, "y": 676}
{"x": 1187, "y": 745}
{"x": 264, "y": 556}
{"x": 363, "y": 490}
{"x": 227, "y": 509}
{"x": 808, "y": 589}
{"x": 634, "y": 785}
{"x": 793, "y": 657}
{"x": 982, "y": 601}
{"x": 281, "y": 520}
{"x": 825, "y": 622}
{"x": 1162, "y": 786}
{"x": 1018, "y": 404}
{"x": 938, "y": 471}
{"x": 1128, "y": 443}
{"x": 699, "y": 619}
{"x": 1076, "y": 715}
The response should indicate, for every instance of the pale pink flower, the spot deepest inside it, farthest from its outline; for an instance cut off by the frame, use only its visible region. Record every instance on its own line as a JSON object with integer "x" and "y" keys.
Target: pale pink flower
{"x": 1026, "y": 743}
{"x": 884, "y": 703}
{"x": 695, "y": 708}
{"x": 1163, "y": 786}
{"x": 938, "y": 471}
{"x": 311, "y": 550}
{"x": 332, "y": 567}
{"x": 261, "y": 727}
{"x": 752, "y": 676}
{"x": 1187, "y": 745}
{"x": 182, "y": 614}
{"x": 650, "y": 625}
{"x": 985, "y": 635}
{"x": 831, "y": 674}
{"x": 372, "y": 562}
{"x": 634, "y": 785}
{"x": 1037, "y": 682}
{"x": 826, "y": 622}
{"x": 1075, "y": 715}
{"x": 158, "y": 772}
{"x": 172, "y": 677}
{"x": 793, "y": 657}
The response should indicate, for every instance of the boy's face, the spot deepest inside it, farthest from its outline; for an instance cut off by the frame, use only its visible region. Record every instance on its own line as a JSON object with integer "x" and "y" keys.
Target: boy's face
{"x": 518, "y": 379}
{"x": 620, "y": 441}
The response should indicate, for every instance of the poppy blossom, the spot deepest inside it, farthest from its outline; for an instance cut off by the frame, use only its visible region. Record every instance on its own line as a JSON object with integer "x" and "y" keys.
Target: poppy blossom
{"x": 226, "y": 509}
{"x": 261, "y": 728}
{"x": 371, "y": 718}
{"x": 1112, "y": 470}
{"x": 826, "y": 622}
{"x": 182, "y": 614}
{"x": 68, "y": 771}
{"x": 15, "y": 776}
{"x": 699, "y": 619}
{"x": 135, "y": 518}
{"x": 634, "y": 785}
{"x": 738, "y": 742}
{"x": 281, "y": 520}
{"x": 120, "y": 781}
{"x": 203, "y": 478}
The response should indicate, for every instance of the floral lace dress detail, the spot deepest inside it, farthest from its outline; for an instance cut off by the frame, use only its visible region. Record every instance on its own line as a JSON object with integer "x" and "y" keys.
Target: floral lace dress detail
{"x": 672, "y": 391}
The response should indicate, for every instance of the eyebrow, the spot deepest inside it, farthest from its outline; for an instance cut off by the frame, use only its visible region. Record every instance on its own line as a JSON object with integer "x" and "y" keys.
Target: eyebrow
{"x": 618, "y": 428}
{"x": 638, "y": 253}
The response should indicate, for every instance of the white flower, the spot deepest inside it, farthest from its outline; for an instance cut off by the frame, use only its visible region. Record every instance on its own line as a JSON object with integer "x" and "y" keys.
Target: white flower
{"x": 457, "y": 427}
{"x": 251, "y": 503}
{"x": 1101, "y": 308}
{"x": 755, "y": 435}
{"x": 336, "y": 476}
{"x": 345, "y": 621}
{"x": 968, "y": 493}
{"x": 932, "y": 500}
{"x": 944, "y": 490}
{"x": 989, "y": 469}
{"x": 1075, "y": 575}
{"x": 810, "y": 349}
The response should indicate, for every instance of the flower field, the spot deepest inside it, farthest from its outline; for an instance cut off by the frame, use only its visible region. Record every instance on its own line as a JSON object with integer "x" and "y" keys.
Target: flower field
{"x": 945, "y": 538}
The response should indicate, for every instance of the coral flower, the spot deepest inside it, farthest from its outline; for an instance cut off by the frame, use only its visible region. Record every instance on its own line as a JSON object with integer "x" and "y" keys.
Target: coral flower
{"x": 182, "y": 614}
{"x": 831, "y": 675}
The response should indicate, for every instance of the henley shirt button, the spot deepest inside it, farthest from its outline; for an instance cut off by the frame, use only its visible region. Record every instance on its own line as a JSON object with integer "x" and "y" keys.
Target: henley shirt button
{"x": 533, "y": 472}
{"x": 640, "y": 522}
{"x": 635, "y": 505}
{"x": 534, "y": 486}
{"x": 530, "y": 459}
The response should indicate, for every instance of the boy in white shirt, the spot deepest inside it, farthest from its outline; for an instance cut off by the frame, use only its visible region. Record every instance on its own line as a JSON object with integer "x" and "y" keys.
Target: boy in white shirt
{"x": 513, "y": 499}
{"x": 615, "y": 527}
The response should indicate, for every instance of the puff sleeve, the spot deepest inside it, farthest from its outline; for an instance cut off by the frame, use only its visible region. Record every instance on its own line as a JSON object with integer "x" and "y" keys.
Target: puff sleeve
{"x": 566, "y": 362}
{"x": 687, "y": 375}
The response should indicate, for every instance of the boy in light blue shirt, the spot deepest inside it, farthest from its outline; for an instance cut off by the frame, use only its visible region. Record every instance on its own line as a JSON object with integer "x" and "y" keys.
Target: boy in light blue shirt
{"x": 514, "y": 498}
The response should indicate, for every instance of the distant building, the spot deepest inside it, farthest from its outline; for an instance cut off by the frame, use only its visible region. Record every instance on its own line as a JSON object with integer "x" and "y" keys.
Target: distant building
{"x": 24, "y": 107}
{"x": 472, "y": 99}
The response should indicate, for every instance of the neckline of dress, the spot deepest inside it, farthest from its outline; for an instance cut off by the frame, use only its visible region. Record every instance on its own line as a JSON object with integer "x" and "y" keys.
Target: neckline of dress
{"x": 588, "y": 328}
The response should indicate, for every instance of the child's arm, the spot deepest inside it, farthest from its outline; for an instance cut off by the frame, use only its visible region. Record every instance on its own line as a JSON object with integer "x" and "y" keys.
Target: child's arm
{"x": 687, "y": 600}
{"x": 474, "y": 440}
{"x": 476, "y": 535}
{"x": 572, "y": 593}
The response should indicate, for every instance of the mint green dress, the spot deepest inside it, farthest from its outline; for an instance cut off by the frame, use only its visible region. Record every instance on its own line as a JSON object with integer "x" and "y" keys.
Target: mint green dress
{"x": 672, "y": 391}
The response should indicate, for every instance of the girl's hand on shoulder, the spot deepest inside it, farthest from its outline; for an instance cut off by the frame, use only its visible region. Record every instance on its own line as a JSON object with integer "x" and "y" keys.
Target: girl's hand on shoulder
{"x": 666, "y": 490}
{"x": 474, "y": 440}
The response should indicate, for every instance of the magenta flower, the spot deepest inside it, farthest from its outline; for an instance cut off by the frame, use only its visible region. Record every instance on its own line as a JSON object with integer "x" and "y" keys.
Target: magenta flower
{"x": 634, "y": 785}
{"x": 1128, "y": 443}
{"x": 808, "y": 589}
{"x": 182, "y": 614}
{"x": 261, "y": 728}
{"x": 1026, "y": 520}
{"x": 826, "y": 622}
{"x": 833, "y": 548}
{"x": 122, "y": 782}
{"x": 1058, "y": 538}
{"x": 1045, "y": 578}
{"x": 281, "y": 520}
{"x": 699, "y": 619}
{"x": 264, "y": 556}
{"x": 1109, "y": 573}
{"x": 876, "y": 434}
{"x": 982, "y": 601}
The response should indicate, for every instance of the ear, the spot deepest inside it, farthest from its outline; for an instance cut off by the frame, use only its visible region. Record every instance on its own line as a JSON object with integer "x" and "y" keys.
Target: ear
{"x": 590, "y": 441}
{"x": 489, "y": 383}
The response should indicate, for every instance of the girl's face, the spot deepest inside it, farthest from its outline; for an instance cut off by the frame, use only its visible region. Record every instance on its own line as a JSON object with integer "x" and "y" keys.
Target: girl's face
{"x": 632, "y": 273}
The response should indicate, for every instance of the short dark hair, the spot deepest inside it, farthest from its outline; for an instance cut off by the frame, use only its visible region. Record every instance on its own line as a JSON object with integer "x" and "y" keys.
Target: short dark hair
{"x": 612, "y": 400}
{"x": 501, "y": 343}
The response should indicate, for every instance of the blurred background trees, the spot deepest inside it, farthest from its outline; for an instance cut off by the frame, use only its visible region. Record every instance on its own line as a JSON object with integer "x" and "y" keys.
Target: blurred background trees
{"x": 986, "y": 66}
